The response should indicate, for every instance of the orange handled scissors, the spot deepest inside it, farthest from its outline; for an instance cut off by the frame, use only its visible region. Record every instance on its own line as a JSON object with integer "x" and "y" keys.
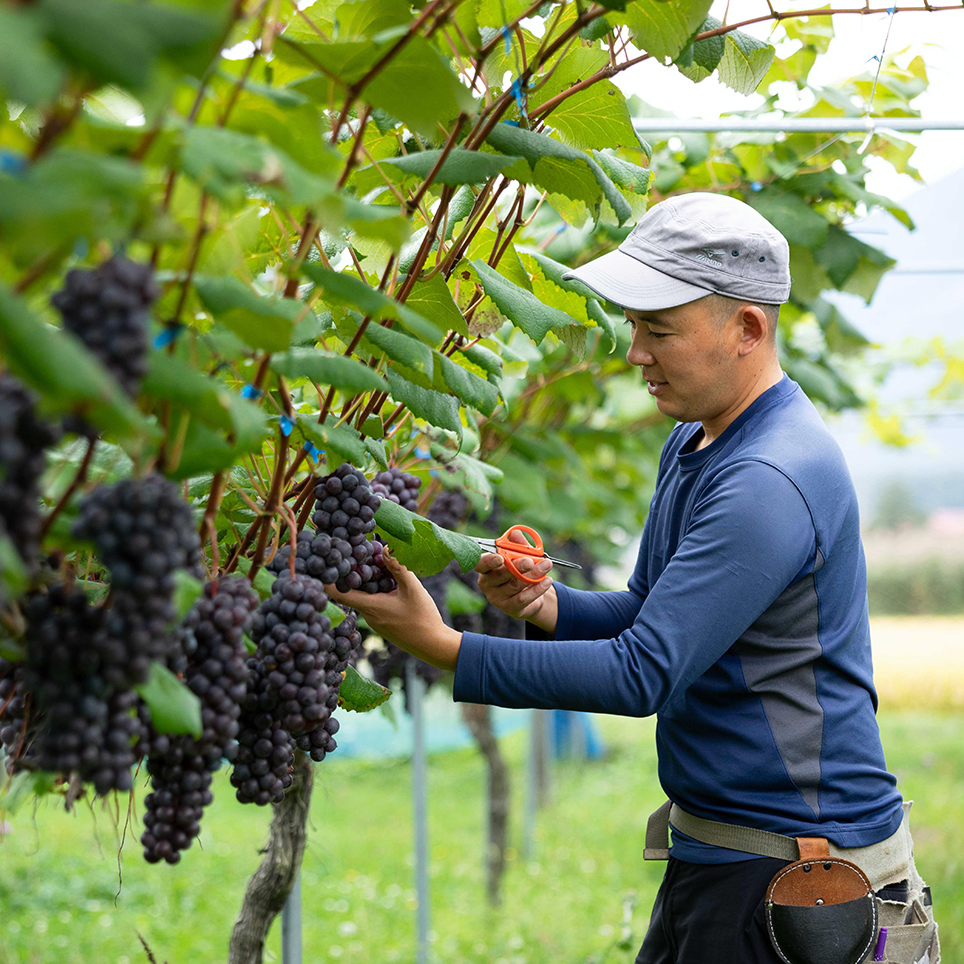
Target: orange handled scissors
{"x": 512, "y": 551}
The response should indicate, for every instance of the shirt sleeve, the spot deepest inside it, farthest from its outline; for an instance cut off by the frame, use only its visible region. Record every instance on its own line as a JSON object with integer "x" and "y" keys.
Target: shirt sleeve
{"x": 750, "y": 536}
{"x": 591, "y": 614}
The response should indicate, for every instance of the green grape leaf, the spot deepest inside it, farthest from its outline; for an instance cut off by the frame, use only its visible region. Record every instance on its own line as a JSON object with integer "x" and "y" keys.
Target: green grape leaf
{"x": 174, "y": 708}
{"x": 791, "y": 215}
{"x": 342, "y": 289}
{"x": 484, "y": 358}
{"x": 187, "y": 591}
{"x": 23, "y": 787}
{"x": 470, "y": 474}
{"x": 359, "y": 694}
{"x": 174, "y": 380}
{"x": 120, "y": 44}
{"x": 745, "y": 62}
{"x": 660, "y": 28}
{"x": 594, "y": 311}
{"x": 325, "y": 368}
{"x": 68, "y": 194}
{"x": 471, "y": 389}
{"x": 701, "y": 58}
{"x": 460, "y": 167}
{"x": 393, "y": 520}
{"x": 433, "y": 407}
{"x": 400, "y": 347}
{"x": 376, "y": 450}
{"x": 521, "y": 307}
{"x": 343, "y": 440}
{"x": 845, "y": 256}
{"x": 433, "y": 300}
{"x": 259, "y": 321}
{"x": 335, "y": 614}
{"x": 557, "y": 167}
{"x": 417, "y": 67}
{"x": 462, "y": 601}
{"x": 28, "y": 72}
{"x": 432, "y": 548}
{"x": 629, "y": 177}
{"x": 226, "y": 162}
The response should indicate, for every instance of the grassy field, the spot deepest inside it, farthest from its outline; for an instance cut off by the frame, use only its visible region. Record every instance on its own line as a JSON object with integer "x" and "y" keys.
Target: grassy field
{"x": 59, "y": 872}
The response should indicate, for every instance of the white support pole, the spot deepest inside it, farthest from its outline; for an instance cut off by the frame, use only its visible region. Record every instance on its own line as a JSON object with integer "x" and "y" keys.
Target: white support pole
{"x": 416, "y": 692}
{"x": 794, "y": 125}
{"x": 291, "y": 925}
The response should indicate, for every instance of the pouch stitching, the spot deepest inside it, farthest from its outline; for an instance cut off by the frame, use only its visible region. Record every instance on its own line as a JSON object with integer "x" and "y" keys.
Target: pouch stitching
{"x": 783, "y": 873}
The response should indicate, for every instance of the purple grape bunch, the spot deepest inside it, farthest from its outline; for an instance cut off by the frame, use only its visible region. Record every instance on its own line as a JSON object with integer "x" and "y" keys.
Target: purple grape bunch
{"x": 293, "y": 684}
{"x": 82, "y": 724}
{"x": 340, "y": 552}
{"x": 398, "y": 486}
{"x": 108, "y": 309}
{"x": 23, "y": 439}
{"x": 181, "y": 766}
{"x": 144, "y": 532}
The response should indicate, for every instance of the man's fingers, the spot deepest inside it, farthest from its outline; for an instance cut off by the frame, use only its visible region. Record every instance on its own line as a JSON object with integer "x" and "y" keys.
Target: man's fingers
{"x": 489, "y": 562}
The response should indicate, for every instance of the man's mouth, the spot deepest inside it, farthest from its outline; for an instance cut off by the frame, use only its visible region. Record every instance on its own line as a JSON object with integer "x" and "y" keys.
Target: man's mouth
{"x": 655, "y": 387}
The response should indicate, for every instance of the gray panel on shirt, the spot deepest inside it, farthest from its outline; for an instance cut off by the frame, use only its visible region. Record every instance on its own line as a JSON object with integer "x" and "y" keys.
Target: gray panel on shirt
{"x": 777, "y": 654}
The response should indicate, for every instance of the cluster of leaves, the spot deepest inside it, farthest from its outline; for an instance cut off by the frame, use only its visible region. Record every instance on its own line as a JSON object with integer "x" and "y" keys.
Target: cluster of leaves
{"x": 359, "y": 215}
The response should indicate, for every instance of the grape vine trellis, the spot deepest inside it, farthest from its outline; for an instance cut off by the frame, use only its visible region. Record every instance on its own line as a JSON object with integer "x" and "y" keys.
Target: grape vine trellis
{"x": 358, "y": 216}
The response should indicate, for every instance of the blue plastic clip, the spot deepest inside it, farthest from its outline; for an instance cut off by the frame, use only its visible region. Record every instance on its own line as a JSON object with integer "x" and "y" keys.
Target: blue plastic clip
{"x": 249, "y": 391}
{"x": 313, "y": 450}
{"x": 516, "y": 90}
{"x": 507, "y": 37}
{"x": 756, "y": 186}
{"x": 422, "y": 453}
{"x": 286, "y": 425}
{"x": 12, "y": 163}
{"x": 168, "y": 336}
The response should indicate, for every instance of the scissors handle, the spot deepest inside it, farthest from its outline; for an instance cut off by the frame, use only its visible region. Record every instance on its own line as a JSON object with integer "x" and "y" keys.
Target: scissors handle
{"x": 512, "y": 552}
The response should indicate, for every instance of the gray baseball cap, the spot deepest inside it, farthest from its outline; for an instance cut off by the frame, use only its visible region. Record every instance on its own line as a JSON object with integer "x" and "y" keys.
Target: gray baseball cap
{"x": 690, "y": 246}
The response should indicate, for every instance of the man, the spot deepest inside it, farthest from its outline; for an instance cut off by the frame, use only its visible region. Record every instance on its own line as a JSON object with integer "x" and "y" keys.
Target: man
{"x": 744, "y": 627}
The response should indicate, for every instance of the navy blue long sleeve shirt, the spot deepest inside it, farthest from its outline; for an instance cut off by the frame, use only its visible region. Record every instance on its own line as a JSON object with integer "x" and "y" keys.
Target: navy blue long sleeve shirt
{"x": 744, "y": 628}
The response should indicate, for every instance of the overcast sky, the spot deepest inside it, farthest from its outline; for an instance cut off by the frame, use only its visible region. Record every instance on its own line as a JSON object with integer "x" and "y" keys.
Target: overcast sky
{"x": 858, "y": 38}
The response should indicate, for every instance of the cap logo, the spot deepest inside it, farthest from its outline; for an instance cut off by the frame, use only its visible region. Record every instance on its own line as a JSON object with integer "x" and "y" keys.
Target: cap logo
{"x": 710, "y": 257}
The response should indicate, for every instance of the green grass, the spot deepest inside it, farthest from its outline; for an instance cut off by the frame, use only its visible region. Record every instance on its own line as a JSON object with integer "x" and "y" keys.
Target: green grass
{"x": 58, "y": 871}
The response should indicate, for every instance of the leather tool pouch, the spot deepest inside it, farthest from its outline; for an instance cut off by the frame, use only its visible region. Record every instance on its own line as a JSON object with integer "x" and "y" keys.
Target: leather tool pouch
{"x": 821, "y": 909}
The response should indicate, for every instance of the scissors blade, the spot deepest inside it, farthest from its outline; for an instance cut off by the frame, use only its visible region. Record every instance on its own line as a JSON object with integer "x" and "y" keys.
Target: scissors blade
{"x": 492, "y": 547}
{"x": 562, "y": 562}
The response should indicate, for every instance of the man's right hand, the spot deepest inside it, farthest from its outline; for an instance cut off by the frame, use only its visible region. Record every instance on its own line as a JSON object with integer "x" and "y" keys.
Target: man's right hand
{"x": 536, "y": 603}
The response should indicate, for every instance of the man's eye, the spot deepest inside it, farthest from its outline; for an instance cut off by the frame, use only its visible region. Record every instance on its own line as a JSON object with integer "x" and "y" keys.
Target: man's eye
{"x": 657, "y": 334}
{"x": 630, "y": 322}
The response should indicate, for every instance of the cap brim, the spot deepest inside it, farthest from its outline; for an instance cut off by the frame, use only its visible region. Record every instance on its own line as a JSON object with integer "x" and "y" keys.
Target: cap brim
{"x": 629, "y": 283}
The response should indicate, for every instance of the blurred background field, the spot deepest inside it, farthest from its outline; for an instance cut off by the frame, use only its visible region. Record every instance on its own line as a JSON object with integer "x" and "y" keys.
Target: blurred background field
{"x": 584, "y": 898}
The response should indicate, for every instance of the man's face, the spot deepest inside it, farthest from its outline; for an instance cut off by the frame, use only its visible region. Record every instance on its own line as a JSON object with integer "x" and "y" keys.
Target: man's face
{"x": 689, "y": 358}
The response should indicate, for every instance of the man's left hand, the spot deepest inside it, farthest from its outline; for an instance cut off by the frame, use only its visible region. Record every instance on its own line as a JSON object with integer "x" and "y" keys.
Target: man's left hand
{"x": 406, "y": 616}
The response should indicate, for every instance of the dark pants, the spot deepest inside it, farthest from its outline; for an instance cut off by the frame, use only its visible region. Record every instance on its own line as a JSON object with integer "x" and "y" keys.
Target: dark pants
{"x": 711, "y": 913}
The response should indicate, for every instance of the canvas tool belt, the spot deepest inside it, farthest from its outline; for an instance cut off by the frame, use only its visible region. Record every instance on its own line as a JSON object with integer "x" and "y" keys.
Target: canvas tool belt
{"x": 830, "y": 904}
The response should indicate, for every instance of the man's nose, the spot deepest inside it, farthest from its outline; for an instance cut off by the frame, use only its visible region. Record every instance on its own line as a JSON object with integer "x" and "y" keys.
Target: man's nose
{"x": 637, "y": 355}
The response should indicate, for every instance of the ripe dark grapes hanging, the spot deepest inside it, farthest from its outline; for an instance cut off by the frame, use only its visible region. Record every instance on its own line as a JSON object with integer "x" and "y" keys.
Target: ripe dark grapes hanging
{"x": 143, "y": 532}
{"x": 401, "y": 487}
{"x": 23, "y": 438}
{"x": 107, "y": 308}
{"x": 80, "y": 723}
{"x": 340, "y": 553}
{"x": 180, "y": 766}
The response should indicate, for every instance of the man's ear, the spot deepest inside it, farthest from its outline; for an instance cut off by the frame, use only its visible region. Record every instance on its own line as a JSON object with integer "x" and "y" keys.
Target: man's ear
{"x": 753, "y": 321}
